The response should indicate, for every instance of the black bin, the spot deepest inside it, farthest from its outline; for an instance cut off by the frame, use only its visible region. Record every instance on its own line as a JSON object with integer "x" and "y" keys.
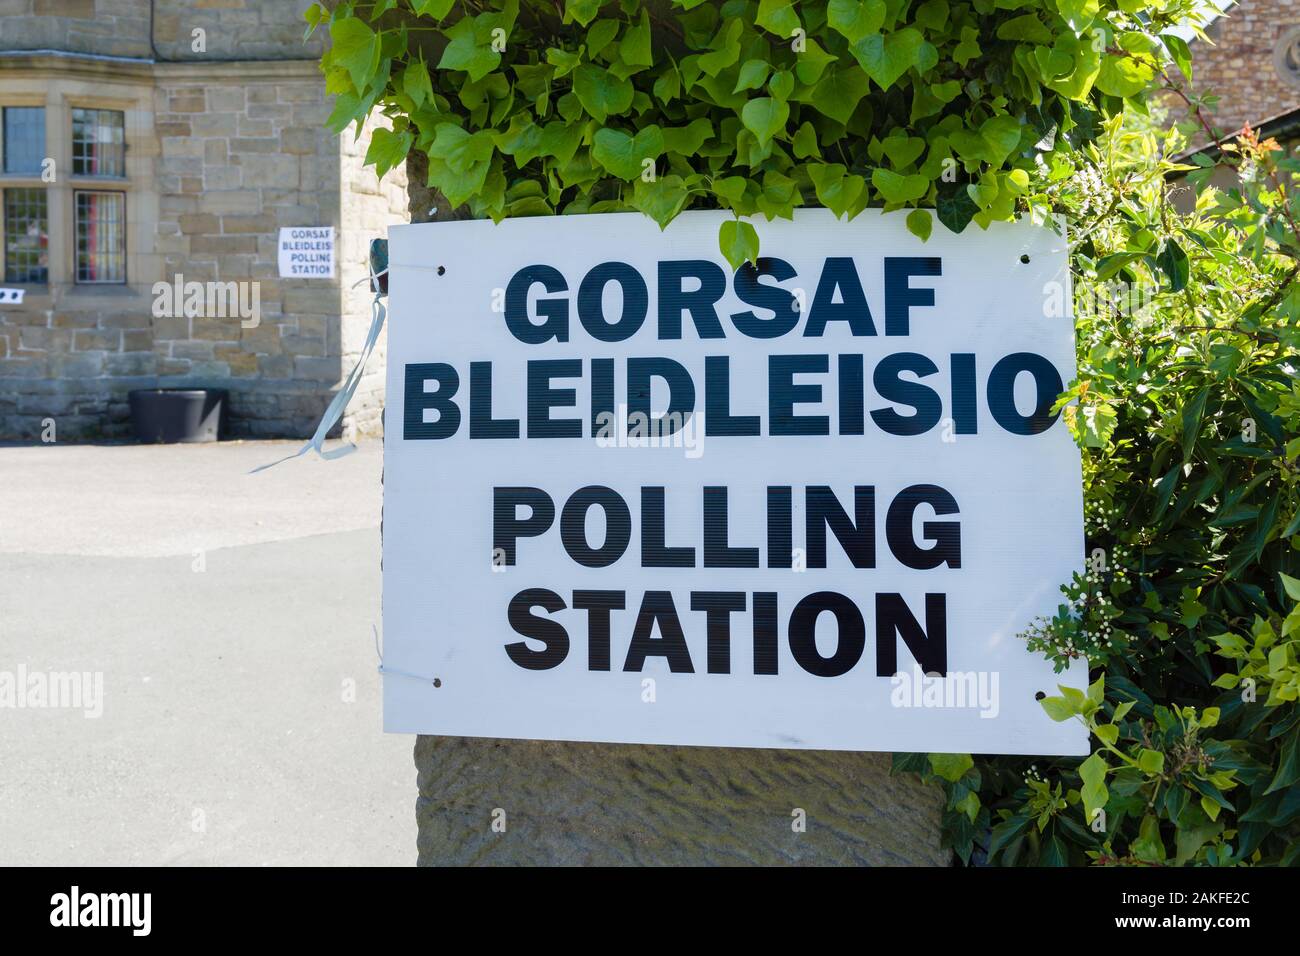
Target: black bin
{"x": 178, "y": 414}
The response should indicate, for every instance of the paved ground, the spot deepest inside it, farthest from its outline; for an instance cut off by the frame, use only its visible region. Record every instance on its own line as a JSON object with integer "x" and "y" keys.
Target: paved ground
{"x": 230, "y": 616}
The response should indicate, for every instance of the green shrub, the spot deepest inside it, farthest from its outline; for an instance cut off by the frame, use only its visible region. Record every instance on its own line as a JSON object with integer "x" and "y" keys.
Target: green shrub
{"x": 537, "y": 108}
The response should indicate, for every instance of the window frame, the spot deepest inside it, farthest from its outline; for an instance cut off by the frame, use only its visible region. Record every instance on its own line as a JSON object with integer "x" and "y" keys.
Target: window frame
{"x": 5, "y": 194}
{"x": 77, "y": 193}
{"x": 4, "y": 138}
{"x": 72, "y": 109}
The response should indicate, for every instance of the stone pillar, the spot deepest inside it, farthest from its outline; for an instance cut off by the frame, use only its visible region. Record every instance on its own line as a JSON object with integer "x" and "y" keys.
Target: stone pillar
{"x": 591, "y": 804}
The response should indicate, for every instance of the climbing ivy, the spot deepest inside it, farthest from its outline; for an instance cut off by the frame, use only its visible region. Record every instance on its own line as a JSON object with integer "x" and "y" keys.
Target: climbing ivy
{"x": 536, "y": 108}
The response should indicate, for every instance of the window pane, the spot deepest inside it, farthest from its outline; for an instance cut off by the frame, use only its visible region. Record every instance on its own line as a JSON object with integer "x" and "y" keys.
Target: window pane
{"x": 24, "y": 137}
{"x": 97, "y": 143}
{"x": 26, "y": 238}
{"x": 101, "y": 237}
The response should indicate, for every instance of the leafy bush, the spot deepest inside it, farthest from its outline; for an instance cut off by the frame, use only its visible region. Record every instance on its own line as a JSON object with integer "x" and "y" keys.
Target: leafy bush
{"x": 1186, "y": 405}
{"x": 535, "y": 108}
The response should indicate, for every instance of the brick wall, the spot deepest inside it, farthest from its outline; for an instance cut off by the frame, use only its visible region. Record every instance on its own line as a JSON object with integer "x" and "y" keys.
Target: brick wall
{"x": 1239, "y": 67}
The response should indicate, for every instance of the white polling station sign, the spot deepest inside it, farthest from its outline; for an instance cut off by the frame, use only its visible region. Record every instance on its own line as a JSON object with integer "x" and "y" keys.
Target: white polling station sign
{"x": 633, "y": 495}
{"x": 306, "y": 252}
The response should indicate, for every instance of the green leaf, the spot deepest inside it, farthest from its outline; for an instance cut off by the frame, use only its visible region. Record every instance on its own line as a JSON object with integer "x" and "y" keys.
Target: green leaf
{"x": 738, "y": 241}
{"x": 765, "y": 117}
{"x": 1027, "y": 28}
{"x": 1094, "y": 793}
{"x": 778, "y": 16}
{"x": 1179, "y": 53}
{"x": 1123, "y": 75}
{"x": 955, "y": 208}
{"x": 1174, "y": 263}
{"x": 1288, "y": 770}
{"x": 686, "y": 140}
{"x": 601, "y": 93}
{"x": 805, "y": 142}
{"x": 626, "y": 156}
{"x": 1193, "y": 413}
{"x": 660, "y": 199}
{"x": 433, "y": 8}
{"x": 899, "y": 189}
{"x": 356, "y": 49}
{"x": 465, "y": 52}
{"x": 838, "y": 93}
{"x": 1151, "y": 761}
{"x": 753, "y": 74}
{"x": 581, "y": 11}
{"x": 920, "y": 224}
{"x": 836, "y": 190}
{"x": 1058, "y": 708}
{"x": 1078, "y": 13}
{"x": 416, "y": 84}
{"x": 634, "y": 48}
{"x": 388, "y": 149}
{"x": 886, "y": 58}
{"x": 952, "y": 767}
{"x": 856, "y": 19}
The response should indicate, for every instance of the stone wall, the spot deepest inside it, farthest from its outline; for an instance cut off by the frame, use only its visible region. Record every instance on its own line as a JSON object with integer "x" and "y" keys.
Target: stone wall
{"x": 105, "y": 27}
{"x": 220, "y": 156}
{"x": 369, "y": 207}
{"x": 231, "y": 29}
{"x": 241, "y": 154}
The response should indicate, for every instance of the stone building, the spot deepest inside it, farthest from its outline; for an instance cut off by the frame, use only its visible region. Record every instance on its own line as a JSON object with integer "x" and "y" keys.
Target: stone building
{"x": 169, "y": 141}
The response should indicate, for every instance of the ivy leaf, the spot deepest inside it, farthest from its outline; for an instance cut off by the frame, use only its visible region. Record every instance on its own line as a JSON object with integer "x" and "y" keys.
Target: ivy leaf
{"x": 625, "y": 155}
{"x": 1078, "y": 13}
{"x": 1123, "y": 75}
{"x": 634, "y": 48}
{"x": 661, "y": 199}
{"x": 899, "y": 189}
{"x": 738, "y": 241}
{"x": 581, "y": 11}
{"x": 356, "y": 49}
{"x": 388, "y": 149}
{"x": 724, "y": 49}
{"x": 778, "y": 16}
{"x": 805, "y": 142}
{"x": 416, "y": 84}
{"x": 920, "y": 224}
{"x": 954, "y": 208}
{"x": 765, "y": 117}
{"x": 600, "y": 92}
{"x": 886, "y": 58}
{"x": 855, "y": 19}
{"x": 464, "y": 52}
{"x": 753, "y": 73}
{"x": 839, "y": 92}
{"x": 686, "y": 140}
{"x": 1027, "y": 28}
{"x": 836, "y": 190}
{"x": 952, "y": 767}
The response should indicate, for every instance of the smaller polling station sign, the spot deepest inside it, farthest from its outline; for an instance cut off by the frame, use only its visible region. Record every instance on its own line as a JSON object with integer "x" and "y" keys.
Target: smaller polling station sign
{"x": 635, "y": 495}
